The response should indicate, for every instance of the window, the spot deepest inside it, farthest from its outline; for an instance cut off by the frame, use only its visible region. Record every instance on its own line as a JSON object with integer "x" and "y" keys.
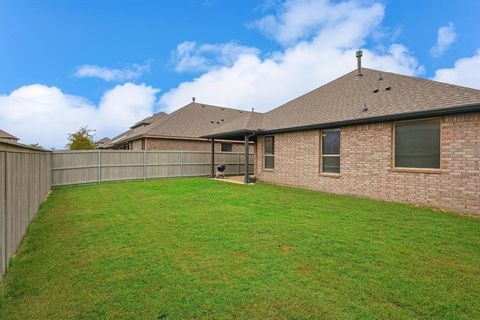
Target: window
{"x": 417, "y": 144}
{"x": 227, "y": 147}
{"x": 331, "y": 151}
{"x": 269, "y": 152}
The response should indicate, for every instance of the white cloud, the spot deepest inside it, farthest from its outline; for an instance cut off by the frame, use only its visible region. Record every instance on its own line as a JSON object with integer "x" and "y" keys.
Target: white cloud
{"x": 446, "y": 36}
{"x": 108, "y": 74}
{"x": 465, "y": 72}
{"x": 191, "y": 57}
{"x": 324, "y": 49}
{"x": 301, "y": 19}
{"x": 38, "y": 113}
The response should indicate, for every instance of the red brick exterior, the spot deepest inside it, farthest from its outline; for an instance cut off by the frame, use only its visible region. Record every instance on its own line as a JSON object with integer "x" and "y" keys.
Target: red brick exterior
{"x": 366, "y": 165}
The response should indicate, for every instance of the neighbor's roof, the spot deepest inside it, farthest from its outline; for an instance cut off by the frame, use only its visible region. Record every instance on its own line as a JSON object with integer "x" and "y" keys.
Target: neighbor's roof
{"x": 149, "y": 120}
{"x": 6, "y": 135}
{"x": 133, "y": 131}
{"x": 191, "y": 121}
{"x": 372, "y": 97}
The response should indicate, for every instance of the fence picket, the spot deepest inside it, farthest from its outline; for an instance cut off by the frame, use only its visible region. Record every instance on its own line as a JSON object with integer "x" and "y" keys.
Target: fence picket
{"x": 110, "y": 165}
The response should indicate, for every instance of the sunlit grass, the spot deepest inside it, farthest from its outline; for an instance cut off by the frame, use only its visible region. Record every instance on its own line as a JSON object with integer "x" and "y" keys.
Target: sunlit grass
{"x": 196, "y": 248}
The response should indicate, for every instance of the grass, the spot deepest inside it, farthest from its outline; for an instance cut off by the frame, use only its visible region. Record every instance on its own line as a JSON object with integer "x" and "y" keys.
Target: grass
{"x": 196, "y": 248}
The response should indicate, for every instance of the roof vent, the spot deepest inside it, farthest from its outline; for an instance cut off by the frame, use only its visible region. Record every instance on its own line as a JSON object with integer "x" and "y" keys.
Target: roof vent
{"x": 193, "y": 99}
{"x": 365, "y": 109}
{"x": 376, "y": 90}
{"x": 211, "y": 121}
{"x": 380, "y": 76}
{"x": 388, "y": 88}
{"x": 359, "y": 55}
{"x": 253, "y": 109}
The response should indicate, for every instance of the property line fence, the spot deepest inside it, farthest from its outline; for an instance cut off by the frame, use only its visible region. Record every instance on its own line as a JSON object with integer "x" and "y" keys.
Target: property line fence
{"x": 96, "y": 166}
{"x": 25, "y": 181}
{"x": 27, "y": 176}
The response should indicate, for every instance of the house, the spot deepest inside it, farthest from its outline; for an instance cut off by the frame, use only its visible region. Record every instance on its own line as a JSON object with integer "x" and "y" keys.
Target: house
{"x": 102, "y": 141}
{"x": 7, "y": 136}
{"x": 121, "y": 141}
{"x": 375, "y": 134}
{"x": 180, "y": 130}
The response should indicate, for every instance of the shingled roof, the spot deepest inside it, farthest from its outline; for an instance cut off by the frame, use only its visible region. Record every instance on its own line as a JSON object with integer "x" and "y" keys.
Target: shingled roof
{"x": 149, "y": 120}
{"x": 374, "y": 96}
{"x": 7, "y": 136}
{"x": 191, "y": 121}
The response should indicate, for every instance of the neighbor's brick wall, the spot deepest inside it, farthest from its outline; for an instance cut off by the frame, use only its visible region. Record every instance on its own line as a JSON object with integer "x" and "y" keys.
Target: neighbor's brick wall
{"x": 366, "y": 165}
{"x": 137, "y": 144}
{"x": 187, "y": 145}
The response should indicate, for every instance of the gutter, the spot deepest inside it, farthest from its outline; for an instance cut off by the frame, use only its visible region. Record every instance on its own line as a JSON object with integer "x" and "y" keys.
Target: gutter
{"x": 394, "y": 117}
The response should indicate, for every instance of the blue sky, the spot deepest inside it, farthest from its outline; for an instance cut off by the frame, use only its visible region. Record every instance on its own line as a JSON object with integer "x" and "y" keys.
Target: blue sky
{"x": 95, "y": 62}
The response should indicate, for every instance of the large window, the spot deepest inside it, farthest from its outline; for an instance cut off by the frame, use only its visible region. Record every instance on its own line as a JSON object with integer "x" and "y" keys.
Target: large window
{"x": 417, "y": 144}
{"x": 269, "y": 152}
{"x": 227, "y": 147}
{"x": 330, "y": 151}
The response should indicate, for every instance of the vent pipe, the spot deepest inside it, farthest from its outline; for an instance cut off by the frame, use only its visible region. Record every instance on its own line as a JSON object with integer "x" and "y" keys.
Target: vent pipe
{"x": 359, "y": 62}
{"x": 193, "y": 99}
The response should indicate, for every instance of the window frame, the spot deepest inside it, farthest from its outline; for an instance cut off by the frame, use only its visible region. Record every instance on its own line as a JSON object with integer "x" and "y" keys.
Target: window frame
{"x": 265, "y": 155}
{"x": 321, "y": 172}
{"x": 417, "y": 169}
{"x": 226, "y": 143}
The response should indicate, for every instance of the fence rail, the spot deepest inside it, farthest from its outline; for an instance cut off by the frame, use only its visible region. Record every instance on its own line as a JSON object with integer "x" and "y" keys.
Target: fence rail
{"x": 26, "y": 178}
{"x": 98, "y": 166}
{"x": 25, "y": 181}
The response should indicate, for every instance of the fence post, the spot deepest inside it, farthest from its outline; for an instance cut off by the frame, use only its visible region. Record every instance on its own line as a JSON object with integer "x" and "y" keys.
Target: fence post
{"x": 238, "y": 164}
{"x": 181, "y": 164}
{"x": 144, "y": 164}
{"x": 99, "y": 169}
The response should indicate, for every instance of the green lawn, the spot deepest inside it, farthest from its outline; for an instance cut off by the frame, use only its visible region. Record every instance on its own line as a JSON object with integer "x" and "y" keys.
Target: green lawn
{"x": 196, "y": 248}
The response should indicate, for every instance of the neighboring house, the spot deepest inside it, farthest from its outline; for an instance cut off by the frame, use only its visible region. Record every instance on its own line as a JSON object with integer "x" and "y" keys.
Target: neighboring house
{"x": 7, "y": 136}
{"x": 180, "y": 130}
{"x": 375, "y": 134}
{"x": 121, "y": 141}
{"x": 101, "y": 142}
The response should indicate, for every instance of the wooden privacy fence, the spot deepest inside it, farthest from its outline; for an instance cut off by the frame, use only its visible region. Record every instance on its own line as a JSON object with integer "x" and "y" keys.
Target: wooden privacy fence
{"x": 25, "y": 181}
{"x": 75, "y": 167}
{"x": 26, "y": 177}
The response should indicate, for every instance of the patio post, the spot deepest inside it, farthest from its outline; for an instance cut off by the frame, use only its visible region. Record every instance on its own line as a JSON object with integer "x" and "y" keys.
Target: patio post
{"x": 247, "y": 164}
{"x": 212, "y": 175}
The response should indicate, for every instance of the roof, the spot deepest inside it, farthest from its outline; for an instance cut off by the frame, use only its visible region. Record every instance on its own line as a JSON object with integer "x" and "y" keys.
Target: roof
{"x": 191, "y": 121}
{"x": 250, "y": 121}
{"x": 149, "y": 120}
{"x": 372, "y": 97}
{"x": 103, "y": 140}
{"x": 12, "y": 145}
{"x": 6, "y": 135}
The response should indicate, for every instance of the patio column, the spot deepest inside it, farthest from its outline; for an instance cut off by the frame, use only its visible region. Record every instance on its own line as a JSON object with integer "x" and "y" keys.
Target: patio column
{"x": 212, "y": 175}
{"x": 247, "y": 164}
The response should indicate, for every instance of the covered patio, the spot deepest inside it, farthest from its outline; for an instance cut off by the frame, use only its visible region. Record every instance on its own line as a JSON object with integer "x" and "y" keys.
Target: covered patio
{"x": 249, "y": 138}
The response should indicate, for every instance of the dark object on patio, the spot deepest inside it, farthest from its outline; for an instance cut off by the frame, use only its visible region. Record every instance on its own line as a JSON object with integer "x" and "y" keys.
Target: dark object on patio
{"x": 220, "y": 169}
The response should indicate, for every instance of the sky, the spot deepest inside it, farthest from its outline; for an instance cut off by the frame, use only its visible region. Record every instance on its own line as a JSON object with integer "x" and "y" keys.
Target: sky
{"x": 107, "y": 64}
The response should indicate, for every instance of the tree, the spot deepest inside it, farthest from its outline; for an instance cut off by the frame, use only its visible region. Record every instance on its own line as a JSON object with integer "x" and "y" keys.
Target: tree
{"x": 37, "y": 145}
{"x": 81, "y": 140}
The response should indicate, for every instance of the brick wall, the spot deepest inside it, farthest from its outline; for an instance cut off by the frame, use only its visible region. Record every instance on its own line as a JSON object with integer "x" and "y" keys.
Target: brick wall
{"x": 366, "y": 165}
